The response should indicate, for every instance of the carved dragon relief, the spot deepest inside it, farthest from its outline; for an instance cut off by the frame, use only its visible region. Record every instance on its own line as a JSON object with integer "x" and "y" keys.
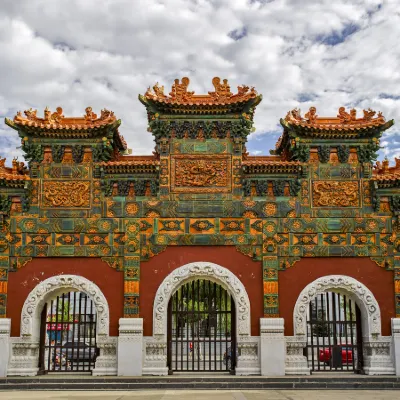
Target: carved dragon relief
{"x": 336, "y": 194}
{"x": 192, "y": 173}
{"x": 74, "y": 194}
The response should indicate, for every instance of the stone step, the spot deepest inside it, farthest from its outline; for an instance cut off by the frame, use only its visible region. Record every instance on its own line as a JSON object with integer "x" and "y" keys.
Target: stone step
{"x": 177, "y": 378}
{"x": 367, "y": 383}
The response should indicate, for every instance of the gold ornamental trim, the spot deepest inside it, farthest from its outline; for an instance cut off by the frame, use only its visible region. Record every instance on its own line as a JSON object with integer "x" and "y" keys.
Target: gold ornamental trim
{"x": 201, "y": 173}
{"x": 66, "y": 194}
{"x": 335, "y": 194}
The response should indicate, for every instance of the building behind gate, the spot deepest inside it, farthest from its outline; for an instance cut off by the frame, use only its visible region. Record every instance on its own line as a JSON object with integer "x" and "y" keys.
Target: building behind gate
{"x": 199, "y": 257}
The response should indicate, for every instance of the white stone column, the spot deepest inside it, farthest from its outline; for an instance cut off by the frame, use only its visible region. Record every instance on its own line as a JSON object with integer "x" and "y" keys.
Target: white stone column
{"x": 130, "y": 347}
{"x": 396, "y": 344}
{"x": 5, "y": 327}
{"x": 272, "y": 342}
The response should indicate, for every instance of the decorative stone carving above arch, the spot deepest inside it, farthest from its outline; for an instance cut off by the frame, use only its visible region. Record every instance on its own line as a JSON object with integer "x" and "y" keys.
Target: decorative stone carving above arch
{"x": 370, "y": 311}
{"x": 206, "y": 270}
{"x": 30, "y": 316}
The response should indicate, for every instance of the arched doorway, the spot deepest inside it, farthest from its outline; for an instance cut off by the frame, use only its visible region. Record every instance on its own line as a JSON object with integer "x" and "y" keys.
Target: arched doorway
{"x": 334, "y": 334}
{"x": 25, "y": 354}
{"x": 201, "y": 331}
{"x": 68, "y": 334}
{"x": 365, "y": 313}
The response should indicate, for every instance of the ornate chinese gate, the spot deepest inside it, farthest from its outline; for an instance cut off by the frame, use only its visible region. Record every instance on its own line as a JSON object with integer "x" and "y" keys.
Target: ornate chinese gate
{"x": 334, "y": 339}
{"x": 201, "y": 328}
{"x": 68, "y": 334}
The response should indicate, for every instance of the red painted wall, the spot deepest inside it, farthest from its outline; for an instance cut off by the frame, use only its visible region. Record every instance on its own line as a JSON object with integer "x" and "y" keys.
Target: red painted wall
{"x": 21, "y": 283}
{"x": 294, "y": 280}
{"x": 153, "y": 272}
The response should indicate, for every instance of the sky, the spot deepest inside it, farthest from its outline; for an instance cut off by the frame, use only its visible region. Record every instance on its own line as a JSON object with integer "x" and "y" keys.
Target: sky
{"x": 103, "y": 53}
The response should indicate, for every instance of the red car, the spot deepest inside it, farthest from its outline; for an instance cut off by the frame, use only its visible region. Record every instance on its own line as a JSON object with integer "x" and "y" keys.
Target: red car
{"x": 325, "y": 355}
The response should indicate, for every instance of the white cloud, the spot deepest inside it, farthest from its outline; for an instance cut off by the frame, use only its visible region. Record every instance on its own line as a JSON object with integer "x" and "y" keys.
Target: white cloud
{"x": 104, "y": 53}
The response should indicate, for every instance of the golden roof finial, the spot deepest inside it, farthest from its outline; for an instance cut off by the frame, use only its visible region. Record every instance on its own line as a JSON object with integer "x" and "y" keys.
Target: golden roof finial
{"x": 221, "y": 89}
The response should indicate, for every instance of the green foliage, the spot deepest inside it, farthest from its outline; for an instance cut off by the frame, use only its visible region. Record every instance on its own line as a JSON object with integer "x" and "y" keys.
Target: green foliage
{"x": 57, "y": 151}
{"x": 154, "y": 187}
{"x": 5, "y": 204}
{"x": 294, "y": 187}
{"x": 324, "y": 153}
{"x": 107, "y": 187}
{"x": 320, "y": 327}
{"x": 63, "y": 314}
{"x": 33, "y": 152}
{"x": 367, "y": 153}
{"x": 139, "y": 187}
{"x": 261, "y": 187}
{"x": 203, "y": 299}
{"x": 77, "y": 153}
{"x": 240, "y": 128}
{"x": 102, "y": 152}
{"x": 26, "y": 198}
{"x": 343, "y": 153}
{"x": 278, "y": 187}
{"x": 159, "y": 128}
{"x": 247, "y": 187}
{"x": 301, "y": 153}
{"x": 395, "y": 203}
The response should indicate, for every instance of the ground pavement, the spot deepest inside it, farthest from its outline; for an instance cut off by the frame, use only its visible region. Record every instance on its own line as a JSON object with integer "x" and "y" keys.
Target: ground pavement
{"x": 205, "y": 395}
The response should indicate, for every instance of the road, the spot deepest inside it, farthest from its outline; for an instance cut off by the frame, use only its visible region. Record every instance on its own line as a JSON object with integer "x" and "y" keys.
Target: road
{"x": 205, "y": 395}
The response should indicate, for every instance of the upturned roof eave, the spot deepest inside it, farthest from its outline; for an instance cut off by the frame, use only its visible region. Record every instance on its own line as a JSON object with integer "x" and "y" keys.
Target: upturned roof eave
{"x": 193, "y": 106}
{"x": 352, "y": 129}
{"x": 55, "y": 131}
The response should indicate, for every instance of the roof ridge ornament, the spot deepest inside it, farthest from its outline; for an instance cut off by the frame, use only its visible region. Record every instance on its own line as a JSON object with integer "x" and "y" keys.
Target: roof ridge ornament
{"x": 221, "y": 89}
{"x": 343, "y": 118}
{"x": 222, "y": 94}
{"x": 56, "y": 117}
{"x": 89, "y": 114}
{"x": 311, "y": 115}
{"x": 89, "y": 119}
{"x": 179, "y": 90}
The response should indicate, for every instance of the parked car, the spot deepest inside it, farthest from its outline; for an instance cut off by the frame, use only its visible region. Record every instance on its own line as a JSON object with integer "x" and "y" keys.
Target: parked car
{"x": 325, "y": 355}
{"x": 79, "y": 351}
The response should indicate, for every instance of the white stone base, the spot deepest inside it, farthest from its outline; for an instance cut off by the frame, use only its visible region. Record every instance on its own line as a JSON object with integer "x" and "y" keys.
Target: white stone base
{"x": 248, "y": 362}
{"x": 106, "y": 362}
{"x": 24, "y": 357}
{"x": 154, "y": 356}
{"x": 296, "y": 362}
{"x": 378, "y": 357}
{"x": 131, "y": 354}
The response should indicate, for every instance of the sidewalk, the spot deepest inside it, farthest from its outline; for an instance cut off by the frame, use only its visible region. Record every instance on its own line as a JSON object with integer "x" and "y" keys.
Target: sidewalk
{"x": 204, "y": 395}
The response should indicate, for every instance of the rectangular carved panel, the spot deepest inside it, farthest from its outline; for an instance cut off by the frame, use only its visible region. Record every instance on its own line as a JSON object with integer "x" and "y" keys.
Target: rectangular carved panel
{"x": 66, "y": 194}
{"x": 201, "y": 173}
{"x": 335, "y": 194}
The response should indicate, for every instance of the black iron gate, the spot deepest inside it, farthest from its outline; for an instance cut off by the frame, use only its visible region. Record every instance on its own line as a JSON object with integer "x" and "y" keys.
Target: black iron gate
{"x": 334, "y": 338}
{"x": 201, "y": 328}
{"x": 68, "y": 334}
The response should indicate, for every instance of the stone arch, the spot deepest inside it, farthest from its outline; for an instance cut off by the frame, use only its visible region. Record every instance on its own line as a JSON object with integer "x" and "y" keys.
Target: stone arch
{"x": 212, "y": 272}
{"x": 30, "y": 316}
{"x": 358, "y": 292}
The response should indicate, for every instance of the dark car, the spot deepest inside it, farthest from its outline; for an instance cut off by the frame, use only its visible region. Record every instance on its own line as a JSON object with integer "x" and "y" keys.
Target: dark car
{"x": 79, "y": 351}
